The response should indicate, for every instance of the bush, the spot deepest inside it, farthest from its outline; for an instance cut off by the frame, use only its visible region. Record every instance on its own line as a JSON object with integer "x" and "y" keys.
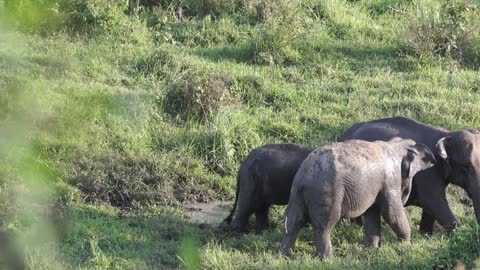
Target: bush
{"x": 273, "y": 41}
{"x": 228, "y": 139}
{"x": 450, "y": 30}
{"x": 463, "y": 249}
{"x": 198, "y": 95}
{"x": 88, "y": 16}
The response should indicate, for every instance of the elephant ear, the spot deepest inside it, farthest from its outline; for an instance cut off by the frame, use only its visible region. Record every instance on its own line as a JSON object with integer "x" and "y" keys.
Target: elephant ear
{"x": 406, "y": 174}
{"x": 407, "y": 162}
{"x": 417, "y": 158}
{"x": 442, "y": 146}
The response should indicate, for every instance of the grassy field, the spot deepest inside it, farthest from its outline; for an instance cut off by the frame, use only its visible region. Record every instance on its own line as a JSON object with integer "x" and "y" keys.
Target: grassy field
{"x": 114, "y": 114}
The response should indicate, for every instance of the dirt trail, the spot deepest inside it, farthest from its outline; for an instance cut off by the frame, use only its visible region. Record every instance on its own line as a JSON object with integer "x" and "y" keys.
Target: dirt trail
{"x": 209, "y": 213}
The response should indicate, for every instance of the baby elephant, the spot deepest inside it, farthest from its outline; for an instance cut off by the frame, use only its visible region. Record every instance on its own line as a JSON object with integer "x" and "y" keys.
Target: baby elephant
{"x": 349, "y": 179}
{"x": 265, "y": 177}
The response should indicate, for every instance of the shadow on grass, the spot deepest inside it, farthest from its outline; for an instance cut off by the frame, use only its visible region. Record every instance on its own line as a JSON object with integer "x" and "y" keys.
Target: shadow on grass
{"x": 238, "y": 54}
{"x": 362, "y": 58}
{"x": 349, "y": 56}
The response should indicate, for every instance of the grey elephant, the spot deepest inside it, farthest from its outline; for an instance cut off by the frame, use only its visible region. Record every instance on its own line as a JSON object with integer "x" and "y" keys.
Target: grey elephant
{"x": 350, "y": 179}
{"x": 458, "y": 155}
{"x": 265, "y": 178}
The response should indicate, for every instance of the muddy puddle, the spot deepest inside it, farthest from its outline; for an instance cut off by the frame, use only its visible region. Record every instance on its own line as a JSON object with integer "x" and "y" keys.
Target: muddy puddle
{"x": 212, "y": 213}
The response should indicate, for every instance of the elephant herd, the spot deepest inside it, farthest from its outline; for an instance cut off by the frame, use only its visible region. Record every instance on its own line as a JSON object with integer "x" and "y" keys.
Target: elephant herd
{"x": 375, "y": 169}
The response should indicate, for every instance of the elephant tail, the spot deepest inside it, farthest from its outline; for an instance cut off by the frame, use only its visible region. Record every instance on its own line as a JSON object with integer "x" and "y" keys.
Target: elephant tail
{"x": 229, "y": 218}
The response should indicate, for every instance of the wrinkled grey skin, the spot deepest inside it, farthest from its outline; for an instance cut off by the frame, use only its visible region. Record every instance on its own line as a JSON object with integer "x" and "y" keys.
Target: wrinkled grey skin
{"x": 458, "y": 155}
{"x": 349, "y": 179}
{"x": 265, "y": 177}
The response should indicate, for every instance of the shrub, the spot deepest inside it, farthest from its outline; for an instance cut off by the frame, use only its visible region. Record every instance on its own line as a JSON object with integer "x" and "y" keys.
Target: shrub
{"x": 87, "y": 16}
{"x": 225, "y": 142}
{"x": 198, "y": 95}
{"x": 273, "y": 41}
{"x": 449, "y": 30}
{"x": 214, "y": 146}
{"x": 463, "y": 248}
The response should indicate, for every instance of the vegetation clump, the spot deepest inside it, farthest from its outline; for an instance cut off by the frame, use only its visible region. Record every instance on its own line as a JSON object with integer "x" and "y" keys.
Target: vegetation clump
{"x": 463, "y": 249}
{"x": 283, "y": 23}
{"x": 199, "y": 95}
{"x": 449, "y": 30}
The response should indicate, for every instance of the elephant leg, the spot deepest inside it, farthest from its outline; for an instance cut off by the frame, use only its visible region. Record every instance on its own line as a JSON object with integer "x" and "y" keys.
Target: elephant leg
{"x": 372, "y": 227}
{"x": 240, "y": 221}
{"x": 432, "y": 198}
{"x": 323, "y": 244}
{"x": 394, "y": 215}
{"x": 358, "y": 220}
{"x": 323, "y": 224}
{"x": 295, "y": 219}
{"x": 426, "y": 223}
{"x": 261, "y": 218}
{"x": 439, "y": 210}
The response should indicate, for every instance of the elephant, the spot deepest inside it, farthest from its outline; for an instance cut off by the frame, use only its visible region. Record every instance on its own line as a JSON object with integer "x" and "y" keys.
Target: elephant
{"x": 264, "y": 179}
{"x": 458, "y": 155}
{"x": 350, "y": 179}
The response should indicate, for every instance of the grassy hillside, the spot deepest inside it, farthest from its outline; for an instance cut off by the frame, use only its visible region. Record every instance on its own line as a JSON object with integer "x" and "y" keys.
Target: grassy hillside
{"x": 113, "y": 114}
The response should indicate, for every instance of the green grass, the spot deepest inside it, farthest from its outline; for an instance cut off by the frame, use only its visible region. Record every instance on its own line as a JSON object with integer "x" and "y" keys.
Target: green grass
{"x": 113, "y": 116}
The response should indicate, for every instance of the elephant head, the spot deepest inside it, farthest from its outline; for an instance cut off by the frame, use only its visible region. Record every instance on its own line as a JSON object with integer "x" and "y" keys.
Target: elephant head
{"x": 417, "y": 157}
{"x": 460, "y": 155}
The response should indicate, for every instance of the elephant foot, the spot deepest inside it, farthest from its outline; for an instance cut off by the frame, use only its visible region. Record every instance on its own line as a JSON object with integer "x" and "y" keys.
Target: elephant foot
{"x": 260, "y": 228}
{"x": 238, "y": 229}
{"x": 323, "y": 256}
{"x": 426, "y": 232}
{"x": 285, "y": 251}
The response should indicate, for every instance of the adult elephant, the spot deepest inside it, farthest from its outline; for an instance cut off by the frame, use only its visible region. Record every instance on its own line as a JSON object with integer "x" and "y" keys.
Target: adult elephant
{"x": 458, "y": 155}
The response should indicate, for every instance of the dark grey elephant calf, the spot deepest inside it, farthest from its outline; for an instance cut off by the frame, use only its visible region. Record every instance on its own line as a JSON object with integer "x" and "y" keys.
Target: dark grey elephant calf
{"x": 349, "y": 179}
{"x": 265, "y": 177}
